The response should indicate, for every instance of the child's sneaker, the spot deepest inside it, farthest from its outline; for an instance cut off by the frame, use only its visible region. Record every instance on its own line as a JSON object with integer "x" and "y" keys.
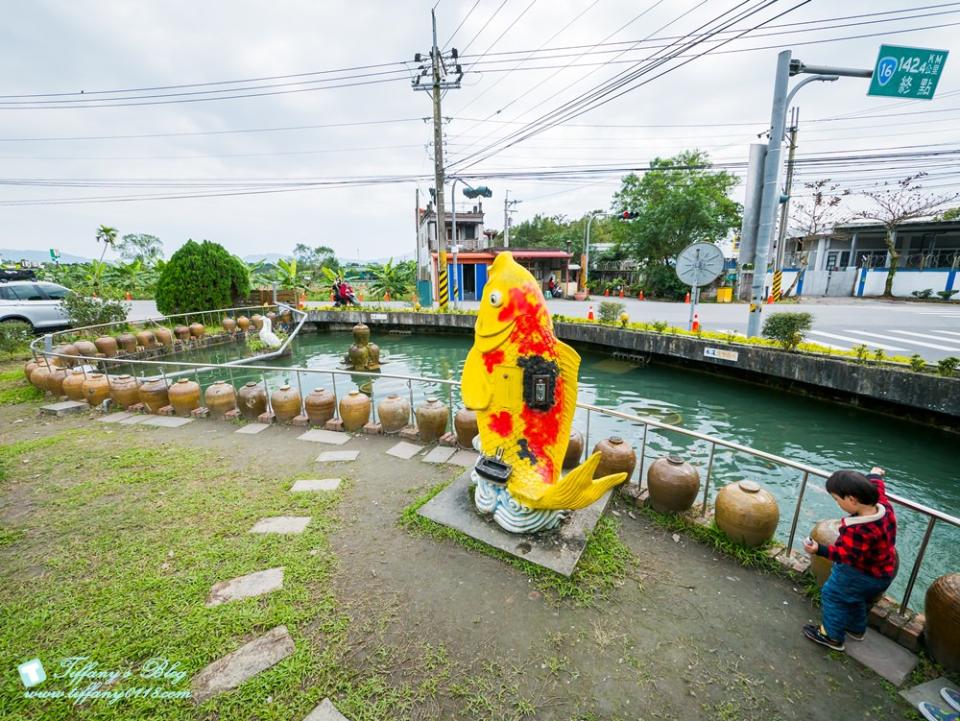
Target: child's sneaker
{"x": 818, "y": 634}
{"x": 951, "y": 696}
{"x": 853, "y": 636}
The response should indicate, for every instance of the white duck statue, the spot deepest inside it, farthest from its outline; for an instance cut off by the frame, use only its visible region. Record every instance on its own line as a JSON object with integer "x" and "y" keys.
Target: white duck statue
{"x": 267, "y": 336}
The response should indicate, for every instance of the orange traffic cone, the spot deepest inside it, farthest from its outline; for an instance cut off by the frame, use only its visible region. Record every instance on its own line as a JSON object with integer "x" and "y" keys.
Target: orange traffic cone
{"x": 590, "y": 312}
{"x": 621, "y": 292}
{"x": 386, "y": 296}
{"x": 640, "y": 297}
{"x": 770, "y": 299}
{"x": 128, "y": 295}
{"x": 607, "y": 292}
{"x": 303, "y": 301}
{"x": 360, "y": 294}
{"x": 696, "y": 323}
{"x": 687, "y": 299}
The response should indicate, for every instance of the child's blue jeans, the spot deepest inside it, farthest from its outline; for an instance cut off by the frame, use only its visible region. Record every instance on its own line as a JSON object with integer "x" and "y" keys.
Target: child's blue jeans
{"x": 845, "y": 598}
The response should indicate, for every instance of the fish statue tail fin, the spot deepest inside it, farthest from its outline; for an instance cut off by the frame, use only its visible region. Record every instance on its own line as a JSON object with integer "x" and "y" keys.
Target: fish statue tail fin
{"x": 578, "y": 489}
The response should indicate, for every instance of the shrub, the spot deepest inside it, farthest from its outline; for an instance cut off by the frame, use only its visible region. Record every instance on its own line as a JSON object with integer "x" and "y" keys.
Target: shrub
{"x": 201, "y": 276}
{"x": 661, "y": 281}
{"x": 787, "y": 329}
{"x": 14, "y": 336}
{"x": 947, "y": 366}
{"x": 947, "y": 294}
{"x": 659, "y": 325}
{"x": 917, "y": 363}
{"x": 861, "y": 352}
{"x": 83, "y": 310}
{"x": 610, "y": 311}
{"x": 925, "y": 293}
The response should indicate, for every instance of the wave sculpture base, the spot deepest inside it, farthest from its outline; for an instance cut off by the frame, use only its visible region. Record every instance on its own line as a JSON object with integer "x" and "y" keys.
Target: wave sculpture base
{"x": 508, "y": 513}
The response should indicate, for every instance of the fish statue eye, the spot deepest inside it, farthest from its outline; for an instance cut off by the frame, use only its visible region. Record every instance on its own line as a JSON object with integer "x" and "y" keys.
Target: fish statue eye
{"x": 496, "y": 298}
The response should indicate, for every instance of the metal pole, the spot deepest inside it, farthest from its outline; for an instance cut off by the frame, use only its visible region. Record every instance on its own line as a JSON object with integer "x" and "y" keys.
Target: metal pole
{"x": 266, "y": 389}
{"x": 706, "y": 481}
{"x": 412, "y": 417}
{"x": 506, "y": 219}
{"x": 916, "y": 564}
{"x": 438, "y": 156}
{"x": 336, "y": 399}
{"x": 643, "y": 452}
{"x": 455, "y": 285}
{"x": 788, "y": 187}
{"x": 796, "y": 513}
{"x": 769, "y": 198}
{"x": 586, "y": 253}
{"x": 751, "y": 212}
{"x": 586, "y": 439}
{"x": 303, "y": 407}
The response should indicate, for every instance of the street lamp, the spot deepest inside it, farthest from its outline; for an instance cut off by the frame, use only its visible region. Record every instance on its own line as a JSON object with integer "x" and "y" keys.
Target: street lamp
{"x": 470, "y": 192}
{"x": 586, "y": 247}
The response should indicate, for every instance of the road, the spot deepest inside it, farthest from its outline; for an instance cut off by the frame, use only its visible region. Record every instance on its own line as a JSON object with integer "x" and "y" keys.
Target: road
{"x": 898, "y": 327}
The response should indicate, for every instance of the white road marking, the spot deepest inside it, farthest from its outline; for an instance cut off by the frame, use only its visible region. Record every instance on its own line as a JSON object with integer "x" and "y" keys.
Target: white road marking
{"x": 856, "y": 341}
{"x": 949, "y": 332}
{"x": 928, "y": 336}
{"x": 902, "y": 340}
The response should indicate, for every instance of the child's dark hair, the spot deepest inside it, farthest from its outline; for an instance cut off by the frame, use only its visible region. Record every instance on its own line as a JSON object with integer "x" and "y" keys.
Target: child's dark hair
{"x": 853, "y": 483}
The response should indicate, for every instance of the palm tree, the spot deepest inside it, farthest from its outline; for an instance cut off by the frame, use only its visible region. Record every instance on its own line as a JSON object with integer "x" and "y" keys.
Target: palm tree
{"x": 107, "y": 236}
{"x": 289, "y": 276}
{"x": 390, "y": 278}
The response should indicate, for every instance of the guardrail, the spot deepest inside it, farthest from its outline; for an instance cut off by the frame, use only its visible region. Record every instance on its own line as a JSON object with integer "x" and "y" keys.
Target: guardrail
{"x": 933, "y": 515}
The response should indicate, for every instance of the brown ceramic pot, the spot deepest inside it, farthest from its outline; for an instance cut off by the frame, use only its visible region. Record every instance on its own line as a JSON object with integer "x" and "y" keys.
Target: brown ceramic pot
{"x": 373, "y": 356}
{"x": 182, "y": 332}
{"x": 153, "y": 393}
{"x": 67, "y": 355}
{"x": 184, "y": 396}
{"x": 29, "y": 367}
{"x": 354, "y": 410}
{"x": 431, "y": 420}
{"x": 942, "y": 607}
{"x": 86, "y": 348}
{"x": 257, "y": 321}
{"x": 252, "y": 401}
{"x": 466, "y": 427}
{"x": 394, "y": 413}
{"x": 273, "y": 319}
{"x": 54, "y": 381}
{"x": 673, "y": 484}
{"x": 320, "y": 405}
{"x": 361, "y": 334}
{"x": 574, "y": 452}
{"x": 96, "y": 389}
{"x": 73, "y": 385}
{"x": 229, "y": 325}
{"x": 146, "y": 338}
{"x": 124, "y": 391}
{"x": 107, "y": 345}
{"x": 164, "y": 336}
{"x": 616, "y": 456}
{"x": 197, "y": 329}
{"x": 747, "y": 513}
{"x": 286, "y": 403}
{"x": 220, "y": 398}
{"x": 825, "y": 533}
{"x": 38, "y": 376}
{"x": 127, "y": 342}
{"x": 243, "y": 323}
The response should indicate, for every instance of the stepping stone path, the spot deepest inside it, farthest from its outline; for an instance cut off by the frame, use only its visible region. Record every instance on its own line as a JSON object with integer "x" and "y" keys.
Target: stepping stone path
{"x": 167, "y": 422}
{"x": 325, "y": 711}
{"x": 337, "y": 456}
{"x": 281, "y": 524}
{"x": 320, "y": 436}
{"x": 247, "y": 661}
{"x": 440, "y": 454}
{"x": 252, "y": 428}
{"x": 404, "y": 450}
{"x": 64, "y": 408}
{"x": 467, "y": 459}
{"x": 253, "y": 584}
{"x": 323, "y": 484}
{"x": 887, "y": 658}
{"x": 115, "y": 417}
{"x": 133, "y": 419}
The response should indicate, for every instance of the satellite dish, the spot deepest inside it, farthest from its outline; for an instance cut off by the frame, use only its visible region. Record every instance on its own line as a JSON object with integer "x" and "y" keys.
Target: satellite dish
{"x": 699, "y": 264}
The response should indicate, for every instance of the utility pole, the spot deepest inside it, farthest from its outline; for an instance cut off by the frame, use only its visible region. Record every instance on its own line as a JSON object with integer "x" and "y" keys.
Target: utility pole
{"x": 787, "y": 191}
{"x": 438, "y": 74}
{"x": 507, "y": 204}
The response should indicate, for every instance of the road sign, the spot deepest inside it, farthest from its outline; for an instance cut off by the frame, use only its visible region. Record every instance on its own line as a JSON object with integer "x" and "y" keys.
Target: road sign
{"x": 54, "y": 253}
{"x": 907, "y": 72}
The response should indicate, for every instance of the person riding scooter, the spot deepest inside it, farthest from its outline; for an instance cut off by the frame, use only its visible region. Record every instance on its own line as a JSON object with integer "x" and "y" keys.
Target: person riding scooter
{"x": 343, "y": 294}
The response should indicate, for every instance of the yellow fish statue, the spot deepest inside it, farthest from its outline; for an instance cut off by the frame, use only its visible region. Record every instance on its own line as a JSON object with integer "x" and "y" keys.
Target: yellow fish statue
{"x": 522, "y": 382}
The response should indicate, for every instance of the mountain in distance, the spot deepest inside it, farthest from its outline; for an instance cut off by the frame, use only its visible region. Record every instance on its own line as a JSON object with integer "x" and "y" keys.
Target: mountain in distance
{"x": 13, "y": 255}
{"x": 268, "y": 257}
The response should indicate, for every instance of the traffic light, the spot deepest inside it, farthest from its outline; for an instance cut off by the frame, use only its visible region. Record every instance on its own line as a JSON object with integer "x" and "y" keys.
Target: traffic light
{"x": 629, "y": 215}
{"x": 481, "y": 191}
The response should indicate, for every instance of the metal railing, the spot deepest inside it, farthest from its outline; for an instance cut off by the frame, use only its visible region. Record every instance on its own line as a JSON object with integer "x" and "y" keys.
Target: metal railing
{"x": 932, "y": 515}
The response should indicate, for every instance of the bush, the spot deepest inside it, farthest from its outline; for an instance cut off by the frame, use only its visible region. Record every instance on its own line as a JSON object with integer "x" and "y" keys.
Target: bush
{"x": 787, "y": 329}
{"x": 83, "y": 310}
{"x": 14, "y": 336}
{"x": 925, "y": 293}
{"x": 661, "y": 281}
{"x": 610, "y": 311}
{"x": 201, "y": 276}
{"x": 948, "y": 366}
{"x": 917, "y": 363}
{"x": 947, "y": 294}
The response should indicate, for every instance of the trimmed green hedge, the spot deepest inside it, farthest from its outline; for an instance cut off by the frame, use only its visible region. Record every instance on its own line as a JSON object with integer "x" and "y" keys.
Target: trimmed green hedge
{"x": 201, "y": 276}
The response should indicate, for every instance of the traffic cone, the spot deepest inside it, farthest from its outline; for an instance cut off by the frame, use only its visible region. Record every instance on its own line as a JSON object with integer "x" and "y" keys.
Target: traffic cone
{"x": 590, "y": 312}
{"x": 696, "y": 323}
{"x": 128, "y": 295}
{"x": 621, "y": 292}
{"x": 640, "y": 297}
{"x": 770, "y": 299}
{"x": 687, "y": 299}
{"x": 360, "y": 294}
{"x": 386, "y": 296}
{"x": 607, "y": 293}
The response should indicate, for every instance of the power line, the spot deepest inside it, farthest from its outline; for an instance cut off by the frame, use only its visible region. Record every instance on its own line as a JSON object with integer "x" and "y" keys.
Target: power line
{"x": 465, "y": 18}
{"x": 483, "y": 27}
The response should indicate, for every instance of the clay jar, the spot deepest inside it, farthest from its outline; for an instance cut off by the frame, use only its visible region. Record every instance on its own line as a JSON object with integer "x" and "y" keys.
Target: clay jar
{"x": 196, "y": 329}
{"x": 184, "y": 396}
{"x": 107, "y": 345}
{"x": 182, "y": 332}
{"x": 257, "y": 321}
{"x": 220, "y": 398}
{"x": 286, "y": 403}
{"x": 127, "y": 342}
{"x": 229, "y": 325}
{"x": 55, "y": 379}
{"x": 394, "y": 413}
{"x": 747, "y": 513}
{"x": 825, "y": 533}
{"x": 29, "y": 367}
{"x": 320, "y": 405}
{"x": 153, "y": 393}
{"x": 466, "y": 427}
{"x": 69, "y": 350}
{"x": 146, "y": 339}
{"x": 38, "y": 376}
{"x": 124, "y": 390}
{"x": 164, "y": 337}
{"x": 673, "y": 484}
{"x": 942, "y": 607}
{"x": 431, "y": 419}
{"x": 252, "y": 401}
{"x": 86, "y": 348}
{"x": 273, "y": 319}
{"x": 574, "y": 449}
{"x": 616, "y": 456}
{"x": 73, "y": 385}
{"x": 243, "y": 323}
{"x": 96, "y": 389}
{"x": 354, "y": 410}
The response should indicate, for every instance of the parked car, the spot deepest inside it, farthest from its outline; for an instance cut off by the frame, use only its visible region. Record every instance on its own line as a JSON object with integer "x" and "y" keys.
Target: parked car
{"x": 33, "y": 302}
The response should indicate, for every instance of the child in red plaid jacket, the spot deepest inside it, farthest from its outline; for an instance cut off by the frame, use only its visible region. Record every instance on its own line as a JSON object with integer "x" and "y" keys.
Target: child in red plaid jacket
{"x": 864, "y": 557}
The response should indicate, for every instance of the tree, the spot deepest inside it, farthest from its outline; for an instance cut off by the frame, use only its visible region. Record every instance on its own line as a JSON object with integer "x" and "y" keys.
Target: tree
{"x": 896, "y": 204}
{"x": 315, "y": 258}
{"x": 949, "y": 214}
{"x": 140, "y": 246}
{"x": 817, "y": 217}
{"x": 393, "y": 279}
{"x": 289, "y": 275}
{"x": 201, "y": 276}
{"x": 107, "y": 236}
{"x": 678, "y": 201}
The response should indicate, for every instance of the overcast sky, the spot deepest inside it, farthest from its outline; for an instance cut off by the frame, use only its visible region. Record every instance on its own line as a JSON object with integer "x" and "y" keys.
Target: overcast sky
{"x": 719, "y": 101}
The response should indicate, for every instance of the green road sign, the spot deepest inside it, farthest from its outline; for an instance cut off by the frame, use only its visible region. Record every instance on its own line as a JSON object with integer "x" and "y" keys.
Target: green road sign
{"x": 907, "y": 72}
{"x": 54, "y": 253}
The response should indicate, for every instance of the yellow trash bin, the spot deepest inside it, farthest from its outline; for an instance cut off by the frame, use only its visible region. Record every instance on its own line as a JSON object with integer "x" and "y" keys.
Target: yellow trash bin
{"x": 724, "y": 295}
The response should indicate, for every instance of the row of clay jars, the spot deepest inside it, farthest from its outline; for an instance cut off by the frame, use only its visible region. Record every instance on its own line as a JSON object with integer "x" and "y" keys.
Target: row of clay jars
{"x": 124, "y": 390}
{"x": 431, "y": 420}
{"x": 942, "y": 608}
{"x": 86, "y": 348}
{"x": 354, "y": 410}
{"x": 154, "y": 393}
{"x": 673, "y": 484}
{"x": 394, "y": 413}
{"x": 320, "y": 406}
{"x": 229, "y": 325}
{"x": 252, "y": 401}
{"x": 465, "y": 426}
{"x": 243, "y": 323}
{"x": 184, "y": 396}
{"x": 286, "y": 403}
{"x": 747, "y": 513}
{"x": 220, "y": 398}
{"x": 96, "y": 388}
